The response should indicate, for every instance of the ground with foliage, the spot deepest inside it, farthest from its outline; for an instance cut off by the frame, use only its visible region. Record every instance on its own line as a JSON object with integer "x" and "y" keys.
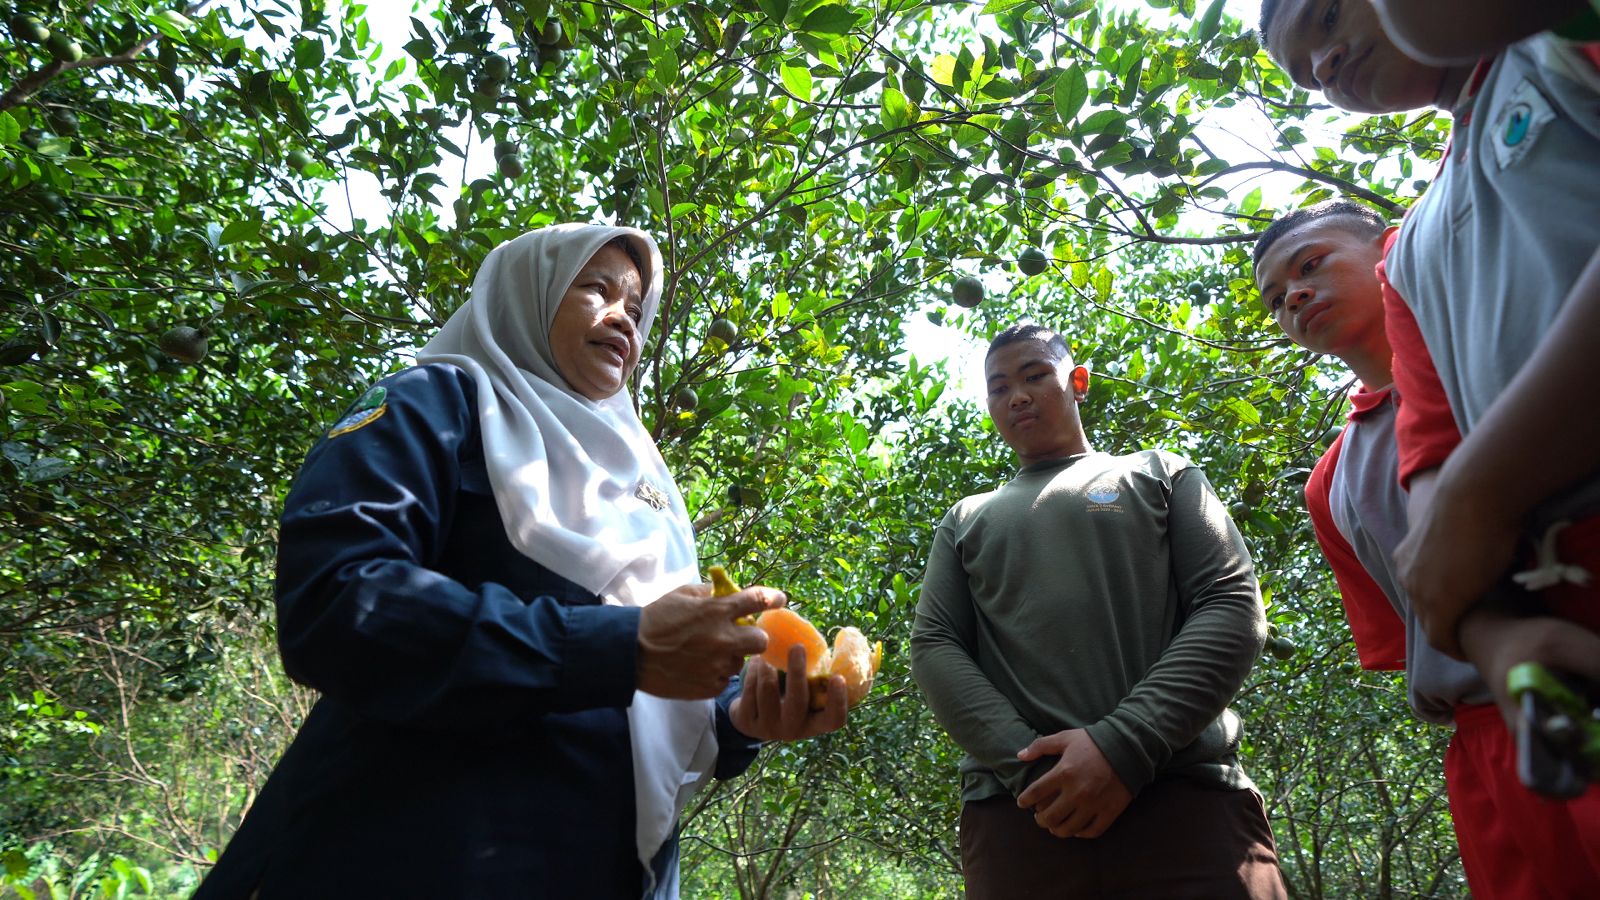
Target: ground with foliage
{"x": 819, "y": 172}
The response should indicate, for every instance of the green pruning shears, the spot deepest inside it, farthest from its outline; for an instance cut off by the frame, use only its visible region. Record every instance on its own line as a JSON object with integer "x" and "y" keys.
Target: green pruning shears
{"x": 1558, "y": 733}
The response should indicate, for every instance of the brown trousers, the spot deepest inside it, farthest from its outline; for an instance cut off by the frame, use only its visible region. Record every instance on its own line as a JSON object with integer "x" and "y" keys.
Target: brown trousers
{"x": 1177, "y": 839}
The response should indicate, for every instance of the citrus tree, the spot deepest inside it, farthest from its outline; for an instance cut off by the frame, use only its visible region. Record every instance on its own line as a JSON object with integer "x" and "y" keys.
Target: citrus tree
{"x": 222, "y": 220}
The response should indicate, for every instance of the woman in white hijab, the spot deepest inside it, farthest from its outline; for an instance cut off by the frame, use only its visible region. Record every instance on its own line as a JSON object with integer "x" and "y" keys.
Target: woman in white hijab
{"x": 488, "y": 572}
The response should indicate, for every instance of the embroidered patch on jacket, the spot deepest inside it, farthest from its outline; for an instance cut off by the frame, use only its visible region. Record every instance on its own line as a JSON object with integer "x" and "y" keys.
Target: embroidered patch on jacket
{"x": 1517, "y": 126}
{"x": 649, "y": 493}
{"x": 370, "y": 408}
{"x": 1103, "y": 496}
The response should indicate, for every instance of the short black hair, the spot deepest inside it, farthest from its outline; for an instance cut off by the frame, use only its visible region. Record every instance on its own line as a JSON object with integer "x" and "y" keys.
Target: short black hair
{"x": 627, "y": 246}
{"x": 1031, "y": 331}
{"x": 1269, "y": 9}
{"x": 1359, "y": 219}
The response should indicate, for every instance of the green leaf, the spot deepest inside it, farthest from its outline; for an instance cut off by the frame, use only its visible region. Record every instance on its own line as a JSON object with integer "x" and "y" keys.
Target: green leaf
{"x": 1130, "y": 84}
{"x": 1072, "y": 90}
{"x": 775, "y": 9}
{"x": 895, "y": 110}
{"x": 1000, "y": 89}
{"x": 981, "y": 187}
{"x": 1242, "y": 410}
{"x": 999, "y": 6}
{"x": 1251, "y": 202}
{"x": 1116, "y": 154}
{"x": 797, "y": 79}
{"x": 1211, "y": 22}
{"x": 10, "y": 130}
{"x": 830, "y": 19}
{"x": 1075, "y": 9}
{"x": 1101, "y": 281}
{"x": 665, "y": 64}
{"x": 1102, "y": 121}
{"x": 859, "y": 82}
{"x": 238, "y": 231}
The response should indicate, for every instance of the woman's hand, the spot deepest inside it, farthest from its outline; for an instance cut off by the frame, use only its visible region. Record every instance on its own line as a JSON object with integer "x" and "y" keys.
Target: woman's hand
{"x": 689, "y": 645}
{"x": 762, "y": 712}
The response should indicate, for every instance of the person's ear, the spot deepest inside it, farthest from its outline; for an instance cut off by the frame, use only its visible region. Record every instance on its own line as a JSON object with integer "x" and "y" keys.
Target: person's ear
{"x": 1080, "y": 383}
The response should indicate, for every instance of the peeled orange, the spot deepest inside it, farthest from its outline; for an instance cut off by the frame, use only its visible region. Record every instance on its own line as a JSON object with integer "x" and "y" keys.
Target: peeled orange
{"x": 856, "y": 661}
{"x": 785, "y": 628}
{"x": 852, "y": 657}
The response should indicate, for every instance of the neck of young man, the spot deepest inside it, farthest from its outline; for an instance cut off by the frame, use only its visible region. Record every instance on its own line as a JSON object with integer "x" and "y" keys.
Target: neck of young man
{"x": 1074, "y": 445}
{"x": 1375, "y": 372}
{"x": 1453, "y": 88}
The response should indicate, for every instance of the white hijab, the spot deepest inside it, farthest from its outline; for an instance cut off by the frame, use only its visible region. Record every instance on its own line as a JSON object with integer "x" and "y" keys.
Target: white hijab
{"x": 581, "y": 487}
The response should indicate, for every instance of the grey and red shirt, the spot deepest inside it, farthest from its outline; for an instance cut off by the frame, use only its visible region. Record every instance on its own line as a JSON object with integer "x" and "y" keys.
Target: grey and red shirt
{"x": 1359, "y": 513}
{"x": 1485, "y": 259}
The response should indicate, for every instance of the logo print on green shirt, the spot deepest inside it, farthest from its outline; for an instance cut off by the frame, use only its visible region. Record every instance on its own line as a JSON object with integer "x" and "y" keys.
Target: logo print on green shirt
{"x": 1103, "y": 496}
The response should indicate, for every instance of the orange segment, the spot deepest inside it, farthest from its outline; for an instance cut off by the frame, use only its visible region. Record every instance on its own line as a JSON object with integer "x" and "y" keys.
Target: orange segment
{"x": 786, "y": 628}
{"x": 856, "y": 660}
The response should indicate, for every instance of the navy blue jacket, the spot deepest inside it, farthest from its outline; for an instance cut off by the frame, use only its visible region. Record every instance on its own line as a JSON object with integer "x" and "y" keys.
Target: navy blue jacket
{"x": 472, "y": 735}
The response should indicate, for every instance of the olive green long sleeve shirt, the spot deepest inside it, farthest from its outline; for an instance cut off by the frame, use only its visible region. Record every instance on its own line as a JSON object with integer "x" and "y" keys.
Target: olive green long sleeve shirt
{"x": 1110, "y": 593}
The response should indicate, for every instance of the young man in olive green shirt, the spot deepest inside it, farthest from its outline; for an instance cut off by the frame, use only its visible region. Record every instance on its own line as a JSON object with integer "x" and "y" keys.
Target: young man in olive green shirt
{"x": 1080, "y": 633}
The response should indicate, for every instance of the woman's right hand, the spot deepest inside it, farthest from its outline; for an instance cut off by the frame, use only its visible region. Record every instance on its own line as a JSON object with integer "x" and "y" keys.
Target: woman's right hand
{"x": 689, "y": 644}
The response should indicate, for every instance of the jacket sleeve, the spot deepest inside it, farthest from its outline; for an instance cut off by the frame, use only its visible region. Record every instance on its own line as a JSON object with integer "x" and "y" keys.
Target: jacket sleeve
{"x": 364, "y": 616}
{"x": 944, "y": 641}
{"x": 735, "y": 749}
{"x": 1222, "y": 627}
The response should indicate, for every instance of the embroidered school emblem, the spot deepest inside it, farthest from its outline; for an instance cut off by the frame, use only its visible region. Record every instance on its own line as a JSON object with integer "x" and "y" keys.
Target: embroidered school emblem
{"x": 652, "y": 495}
{"x": 370, "y": 408}
{"x": 1518, "y": 124}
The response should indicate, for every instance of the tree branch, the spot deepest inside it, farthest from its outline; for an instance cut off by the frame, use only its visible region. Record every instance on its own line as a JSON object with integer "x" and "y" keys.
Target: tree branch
{"x": 34, "y": 81}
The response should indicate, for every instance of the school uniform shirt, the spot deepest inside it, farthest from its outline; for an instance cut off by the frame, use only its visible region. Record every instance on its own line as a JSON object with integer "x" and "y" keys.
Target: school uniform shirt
{"x": 1109, "y": 593}
{"x": 472, "y": 737}
{"x": 1358, "y": 511}
{"x": 1485, "y": 259}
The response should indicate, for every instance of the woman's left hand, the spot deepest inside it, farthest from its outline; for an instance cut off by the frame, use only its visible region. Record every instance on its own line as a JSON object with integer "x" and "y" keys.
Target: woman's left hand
{"x": 763, "y": 712}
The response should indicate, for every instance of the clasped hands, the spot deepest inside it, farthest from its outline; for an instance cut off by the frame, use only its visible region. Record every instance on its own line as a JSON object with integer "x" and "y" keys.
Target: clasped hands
{"x": 1081, "y": 795}
{"x": 690, "y": 647}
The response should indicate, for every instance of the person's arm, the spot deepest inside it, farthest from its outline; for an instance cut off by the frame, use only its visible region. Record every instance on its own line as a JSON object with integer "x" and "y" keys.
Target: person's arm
{"x": 1539, "y": 436}
{"x": 364, "y": 617}
{"x": 1445, "y": 32}
{"x": 1098, "y": 769}
{"x": 944, "y": 643}
{"x": 1222, "y": 631}
{"x": 735, "y": 749}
